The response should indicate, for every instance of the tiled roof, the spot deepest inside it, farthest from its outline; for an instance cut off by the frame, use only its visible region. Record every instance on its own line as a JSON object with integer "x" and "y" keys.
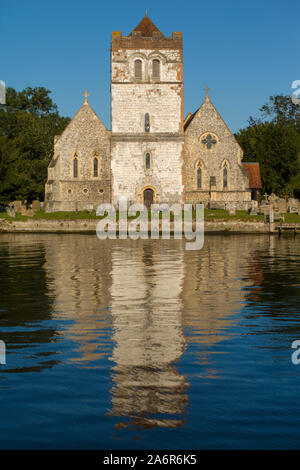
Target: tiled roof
{"x": 146, "y": 27}
{"x": 253, "y": 170}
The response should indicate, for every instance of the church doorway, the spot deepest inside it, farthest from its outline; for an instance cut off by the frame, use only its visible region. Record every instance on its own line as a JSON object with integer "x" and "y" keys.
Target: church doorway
{"x": 148, "y": 197}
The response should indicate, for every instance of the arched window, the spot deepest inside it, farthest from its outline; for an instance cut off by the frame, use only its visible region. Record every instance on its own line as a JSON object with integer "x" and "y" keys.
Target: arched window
{"x": 199, "y": 174}
{"x": 75, "y": 167}
{"x": 148, "y": 161}
{"x": 95, "y": 167}
{"x": 156, "y": 69}
{"x": 138, "y": 69}
{"x": 199, "y": 177}
{"x": 147, "y": 122}
{"x": 225, "y": 175}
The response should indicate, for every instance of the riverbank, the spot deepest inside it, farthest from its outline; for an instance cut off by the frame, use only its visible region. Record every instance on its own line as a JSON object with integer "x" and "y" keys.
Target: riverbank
{"x": 84, "y": 222}
{"x": 89, "y": 226}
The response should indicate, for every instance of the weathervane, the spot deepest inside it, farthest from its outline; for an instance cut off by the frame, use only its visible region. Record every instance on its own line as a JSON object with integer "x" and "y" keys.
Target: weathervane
{"x": 85, "y": 94}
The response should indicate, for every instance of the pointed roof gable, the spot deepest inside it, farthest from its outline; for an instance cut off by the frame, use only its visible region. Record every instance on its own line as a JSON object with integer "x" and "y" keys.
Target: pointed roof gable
{"x": 200, "y": 114}
{"x": 207, "y": 104}
{"x": 84, "y": 114}
{"x": 146, "y": 27}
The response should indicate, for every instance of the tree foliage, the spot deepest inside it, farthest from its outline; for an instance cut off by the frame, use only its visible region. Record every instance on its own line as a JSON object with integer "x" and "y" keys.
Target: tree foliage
{"x": 273, "y": 140}
{"x": 28, "y": 123}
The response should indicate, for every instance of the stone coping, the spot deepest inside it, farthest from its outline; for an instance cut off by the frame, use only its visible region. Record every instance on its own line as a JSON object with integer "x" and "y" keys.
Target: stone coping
{"x": 85, "y": 226}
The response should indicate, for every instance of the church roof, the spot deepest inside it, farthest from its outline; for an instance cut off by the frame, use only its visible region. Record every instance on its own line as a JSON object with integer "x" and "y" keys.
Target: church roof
{"x": 253, "y": 170}
{"x": 146, "y": 27}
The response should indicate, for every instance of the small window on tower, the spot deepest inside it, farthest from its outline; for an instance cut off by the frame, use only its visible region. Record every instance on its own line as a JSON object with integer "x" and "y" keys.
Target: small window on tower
{"x": 147, "y": 122}
{"x": 156, "y": 69}
{"x": 138, "y": 69}
{"x": 148, "y": 163}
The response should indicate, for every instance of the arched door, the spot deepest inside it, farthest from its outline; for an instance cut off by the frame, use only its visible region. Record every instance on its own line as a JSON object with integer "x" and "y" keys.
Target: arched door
{"x": 148, "y": 197}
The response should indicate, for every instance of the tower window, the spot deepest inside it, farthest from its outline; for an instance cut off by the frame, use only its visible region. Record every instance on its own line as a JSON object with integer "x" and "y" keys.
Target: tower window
{"x": 75, "y": 167}
{"x": 148, "y": 161}
{"x": 138, "y": 69}
{"x": 95, "y": 165}
{"x": 147, "y": 122}
{"x": 156, "y": 69}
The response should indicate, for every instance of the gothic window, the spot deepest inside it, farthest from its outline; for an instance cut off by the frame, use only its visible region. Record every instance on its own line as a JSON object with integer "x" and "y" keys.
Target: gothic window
{"x": 147, "y": 122}
{"x": 225, "y": 175}
{"x": 75, "y": 167}
{"x": 156, "y": 69}
{"x": 199, "y": 177}
{"x": 138, "y": 69}
{"x": 95, "y": 165}
{"x": 148, "y": 161}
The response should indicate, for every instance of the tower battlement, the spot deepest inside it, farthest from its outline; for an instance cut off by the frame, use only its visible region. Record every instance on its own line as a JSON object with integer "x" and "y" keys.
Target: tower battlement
{"x": 146, "y": 36}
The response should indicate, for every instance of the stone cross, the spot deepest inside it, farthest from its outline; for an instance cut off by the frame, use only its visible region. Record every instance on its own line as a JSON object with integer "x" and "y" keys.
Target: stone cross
{"x": 85, "y": 94}
{"x": 207, "y": 90}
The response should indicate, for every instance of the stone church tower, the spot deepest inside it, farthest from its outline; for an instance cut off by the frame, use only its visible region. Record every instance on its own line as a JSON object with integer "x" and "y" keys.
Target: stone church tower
{"x": 147, "y": 140}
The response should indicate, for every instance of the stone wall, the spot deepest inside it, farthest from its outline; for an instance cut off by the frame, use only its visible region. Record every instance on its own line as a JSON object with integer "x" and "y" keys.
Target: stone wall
{"x": 131, "y": 100}
{"x": 89, "y": 225}
{"x": 84, "y": 138}
{"x": 210, "y": 145}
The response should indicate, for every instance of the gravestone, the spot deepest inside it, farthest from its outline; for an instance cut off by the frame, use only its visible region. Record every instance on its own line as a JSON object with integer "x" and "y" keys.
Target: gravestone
{"x": 231, "y": 207}
{"x": 264, "y": 209}
{"x": 254, "y": 208}
{"x": 293, "y": 205}
{"x": 282, "y": 205}
{"x": 273, "y": 199}
{"x": 17, "y": 205}
{"x": 36, "y": 205}
{"x": 11, "y": 210}
{"x": 22, "y": 209}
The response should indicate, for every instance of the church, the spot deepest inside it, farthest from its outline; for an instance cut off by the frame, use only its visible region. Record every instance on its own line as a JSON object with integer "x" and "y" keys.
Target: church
{"x": 152, "y": 154}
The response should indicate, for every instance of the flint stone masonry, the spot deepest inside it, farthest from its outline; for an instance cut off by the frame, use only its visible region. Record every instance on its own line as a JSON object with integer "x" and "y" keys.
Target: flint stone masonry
{"x": 175, "y": 146}
{"x": 225, "y": 150}
{"x": 162, "y": 99}
{"x": 85, "y": 137}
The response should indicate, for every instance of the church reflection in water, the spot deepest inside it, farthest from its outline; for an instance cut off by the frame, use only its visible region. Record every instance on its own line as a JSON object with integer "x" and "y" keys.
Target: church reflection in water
{"x": 147, "y": 310}
{"x": 140, "y": 304}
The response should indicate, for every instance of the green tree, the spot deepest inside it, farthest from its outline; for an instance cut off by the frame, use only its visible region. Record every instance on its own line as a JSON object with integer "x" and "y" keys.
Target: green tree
{"x": 273, "y": 140}
{"x": 28, "y": 123}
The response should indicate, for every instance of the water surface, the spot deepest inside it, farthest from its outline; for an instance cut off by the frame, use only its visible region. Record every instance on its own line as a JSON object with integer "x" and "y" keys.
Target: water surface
{"x": 142, "y": 344}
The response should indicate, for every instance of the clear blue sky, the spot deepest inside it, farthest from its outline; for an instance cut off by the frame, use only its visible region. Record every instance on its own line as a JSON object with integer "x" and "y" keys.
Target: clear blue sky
{"x": 244, "y": 51}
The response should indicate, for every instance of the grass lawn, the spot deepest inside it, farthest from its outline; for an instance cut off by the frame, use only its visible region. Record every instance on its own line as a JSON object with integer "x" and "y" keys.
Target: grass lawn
{"x": 209, "y": 214}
